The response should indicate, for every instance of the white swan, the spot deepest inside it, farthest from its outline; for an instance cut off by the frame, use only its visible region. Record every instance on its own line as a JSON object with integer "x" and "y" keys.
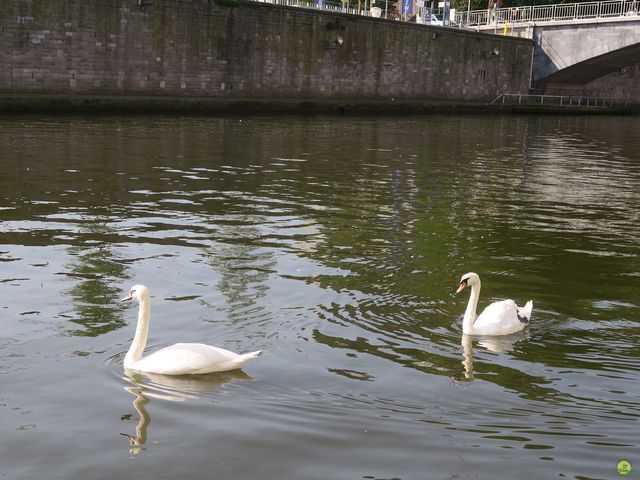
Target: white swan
{"x": 178, "y": 359}
{"x": 499, "y": 318}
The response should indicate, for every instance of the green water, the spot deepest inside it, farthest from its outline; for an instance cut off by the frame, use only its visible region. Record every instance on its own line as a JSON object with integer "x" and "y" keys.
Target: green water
{"x": 335, "y": 245}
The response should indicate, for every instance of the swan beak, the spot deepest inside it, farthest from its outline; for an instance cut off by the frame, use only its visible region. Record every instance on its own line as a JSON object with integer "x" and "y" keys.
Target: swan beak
{"x": 461, "y": 287}
{"x": 128, "y": 297}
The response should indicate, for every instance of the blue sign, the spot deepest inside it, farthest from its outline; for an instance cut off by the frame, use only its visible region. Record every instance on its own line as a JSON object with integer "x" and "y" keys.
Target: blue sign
{"x": 407, "y": 7}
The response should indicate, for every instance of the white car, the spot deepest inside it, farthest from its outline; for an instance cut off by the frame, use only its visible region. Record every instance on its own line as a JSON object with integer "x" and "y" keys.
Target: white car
{"x": 436, "y": 20}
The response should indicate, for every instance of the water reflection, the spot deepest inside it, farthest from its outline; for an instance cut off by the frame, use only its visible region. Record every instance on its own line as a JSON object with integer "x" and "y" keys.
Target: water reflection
{"x": 138, "y": 440}
{"x": 145, "y": 386}
{"x": 99, "y": 278}
{"x": 504, "y": 344}
{"x": 501, "y": 370}
{"x": 98, "y": 273}
{"x": 244, "y": 271}
{"x": 468, "y": 357}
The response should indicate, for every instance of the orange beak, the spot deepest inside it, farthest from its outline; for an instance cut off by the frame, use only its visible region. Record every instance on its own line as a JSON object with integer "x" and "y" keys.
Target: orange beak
{"x": 128, "y": 297}
{"x": 461, "y": 287}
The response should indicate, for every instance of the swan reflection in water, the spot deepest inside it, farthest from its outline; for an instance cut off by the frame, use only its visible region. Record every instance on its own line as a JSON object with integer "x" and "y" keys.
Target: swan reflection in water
{"x": 502, "y": 344}
{"x": 144, "y": 386}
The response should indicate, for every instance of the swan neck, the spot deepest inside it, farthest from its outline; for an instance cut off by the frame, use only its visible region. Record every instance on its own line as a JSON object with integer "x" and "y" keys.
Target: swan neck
{"x": 470, "y": 312}
{"x": 140, "y": 338}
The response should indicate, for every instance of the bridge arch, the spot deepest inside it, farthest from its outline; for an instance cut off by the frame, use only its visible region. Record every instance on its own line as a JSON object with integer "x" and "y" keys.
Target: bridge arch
{"x": 580, "y": 53}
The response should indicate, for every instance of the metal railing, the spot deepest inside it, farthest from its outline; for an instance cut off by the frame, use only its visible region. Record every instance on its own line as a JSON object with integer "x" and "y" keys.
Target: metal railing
{"x": 332, "y": 6}
{"x": 476, "y": 18}
{"x": 559, "y": 100}
{"x": 550, "y": 13}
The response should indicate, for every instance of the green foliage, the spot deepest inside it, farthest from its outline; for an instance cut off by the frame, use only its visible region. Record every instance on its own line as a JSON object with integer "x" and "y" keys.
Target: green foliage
{"x": 461, "y": 5}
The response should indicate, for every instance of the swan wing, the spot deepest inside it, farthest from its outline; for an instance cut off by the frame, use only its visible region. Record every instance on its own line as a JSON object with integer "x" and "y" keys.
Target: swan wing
{"x": 525, "y": 312}
{"x": 191, "y": 358}
{"x": 500, "y": 318}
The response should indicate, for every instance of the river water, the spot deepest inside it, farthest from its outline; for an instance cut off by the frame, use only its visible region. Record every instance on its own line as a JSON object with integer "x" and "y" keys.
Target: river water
{"x": 334, "y": 244}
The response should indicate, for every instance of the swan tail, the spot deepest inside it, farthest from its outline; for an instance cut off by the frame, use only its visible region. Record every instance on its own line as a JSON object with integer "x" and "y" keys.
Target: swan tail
{"x": 242, "y": 359}
{"x": 525, "y": 312}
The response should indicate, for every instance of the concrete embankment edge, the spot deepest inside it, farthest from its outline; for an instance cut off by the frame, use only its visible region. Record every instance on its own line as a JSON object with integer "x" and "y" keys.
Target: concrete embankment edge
{"x": 100, "y": 104}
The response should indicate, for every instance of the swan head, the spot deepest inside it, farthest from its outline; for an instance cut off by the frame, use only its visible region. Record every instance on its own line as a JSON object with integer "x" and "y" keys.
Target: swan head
{"x": 137, "y": 292}
{"x": 468, "y": 279}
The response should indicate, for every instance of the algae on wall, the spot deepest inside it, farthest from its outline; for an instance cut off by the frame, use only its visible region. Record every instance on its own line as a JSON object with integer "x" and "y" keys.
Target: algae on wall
{"x": 105, "y": 22}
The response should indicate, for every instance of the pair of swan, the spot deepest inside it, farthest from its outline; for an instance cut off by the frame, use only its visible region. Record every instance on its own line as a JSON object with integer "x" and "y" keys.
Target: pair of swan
{"x": 499, "y": 318}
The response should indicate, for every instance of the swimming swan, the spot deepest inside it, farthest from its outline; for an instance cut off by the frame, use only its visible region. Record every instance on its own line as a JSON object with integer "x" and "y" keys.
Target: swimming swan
{"x": 499, "y": 318}
{"x": 178, "y": 359}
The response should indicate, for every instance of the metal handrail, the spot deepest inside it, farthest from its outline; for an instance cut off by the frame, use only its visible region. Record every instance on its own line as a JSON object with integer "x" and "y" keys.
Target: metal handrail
{"x": 550, "y": 13}
{"x": 493, "y": 17}
{"x": 560, "y": 100}
{"x": 330, "y": 5}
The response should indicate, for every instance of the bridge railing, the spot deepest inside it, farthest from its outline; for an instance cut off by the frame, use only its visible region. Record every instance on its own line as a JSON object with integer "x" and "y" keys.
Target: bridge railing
{"x": 550, "y": 13}
{"x": 489, "y": 17}
{"x": 333, "y": 6}
{"x": 559, "y": 100}
{"x": 492, "y": 17}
